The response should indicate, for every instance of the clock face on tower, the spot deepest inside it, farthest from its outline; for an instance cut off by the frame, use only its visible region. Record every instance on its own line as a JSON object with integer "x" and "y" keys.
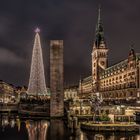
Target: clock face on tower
{"x": 102, "y": 63}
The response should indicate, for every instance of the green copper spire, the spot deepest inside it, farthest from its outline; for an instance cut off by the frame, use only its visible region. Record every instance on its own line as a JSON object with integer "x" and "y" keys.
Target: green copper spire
{"x": 99, "y": 16}
{"x": 99, "y": 36}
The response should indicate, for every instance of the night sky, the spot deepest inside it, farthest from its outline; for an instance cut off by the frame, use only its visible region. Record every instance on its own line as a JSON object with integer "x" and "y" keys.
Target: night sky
{"x": 73, "y": 21}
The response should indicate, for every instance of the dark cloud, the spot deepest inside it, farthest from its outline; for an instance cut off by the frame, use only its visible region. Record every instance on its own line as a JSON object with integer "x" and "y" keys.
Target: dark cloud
{"x": 73, "y": 21}
{"x": 8, "y": 57}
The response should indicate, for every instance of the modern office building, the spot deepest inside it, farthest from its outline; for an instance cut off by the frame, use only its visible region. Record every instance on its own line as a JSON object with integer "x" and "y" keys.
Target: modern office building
{"x": 56, "y": 78}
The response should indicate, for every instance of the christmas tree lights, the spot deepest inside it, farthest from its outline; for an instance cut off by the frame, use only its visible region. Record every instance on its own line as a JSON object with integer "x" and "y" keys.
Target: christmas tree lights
{"x": 37, "y": 84}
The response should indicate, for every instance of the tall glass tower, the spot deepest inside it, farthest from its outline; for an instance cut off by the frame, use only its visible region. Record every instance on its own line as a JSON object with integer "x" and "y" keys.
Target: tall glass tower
{"x": 37, "y": 84}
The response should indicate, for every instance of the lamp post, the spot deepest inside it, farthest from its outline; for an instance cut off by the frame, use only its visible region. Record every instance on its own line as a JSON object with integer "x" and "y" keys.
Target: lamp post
{"x": 138, "y": 96}
{"x": 81, "y": 103}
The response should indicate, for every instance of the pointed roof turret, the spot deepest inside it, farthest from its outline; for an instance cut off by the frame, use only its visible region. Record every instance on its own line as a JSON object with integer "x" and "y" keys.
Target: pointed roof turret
{"x": 132, "y": 55}
{"x": 99, "y": 35}
{"x": 99, "y": 15}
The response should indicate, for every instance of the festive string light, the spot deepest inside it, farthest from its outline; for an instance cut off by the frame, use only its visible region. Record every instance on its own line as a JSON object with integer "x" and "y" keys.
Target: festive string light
{"x": 37, "y": 30}
{"x": 37, "y": 84}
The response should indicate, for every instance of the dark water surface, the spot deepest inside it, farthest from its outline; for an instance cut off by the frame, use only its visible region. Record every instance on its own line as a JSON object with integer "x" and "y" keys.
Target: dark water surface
{"x": 14, "y": 128}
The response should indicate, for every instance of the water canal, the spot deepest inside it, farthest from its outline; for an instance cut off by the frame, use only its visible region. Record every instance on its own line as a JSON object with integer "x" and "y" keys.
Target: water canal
{"x": 13, "y": 127}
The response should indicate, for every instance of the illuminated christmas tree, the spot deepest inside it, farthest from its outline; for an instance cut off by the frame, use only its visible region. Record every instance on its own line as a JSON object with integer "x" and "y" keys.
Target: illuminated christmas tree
{"x": 37, "y": 84}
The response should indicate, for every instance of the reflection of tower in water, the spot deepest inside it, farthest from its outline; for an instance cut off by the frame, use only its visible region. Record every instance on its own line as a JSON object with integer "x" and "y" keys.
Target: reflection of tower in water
{"x": 37, "y": 130}
{"x": 57, "y": 129}
{"x": 78, "y": 135}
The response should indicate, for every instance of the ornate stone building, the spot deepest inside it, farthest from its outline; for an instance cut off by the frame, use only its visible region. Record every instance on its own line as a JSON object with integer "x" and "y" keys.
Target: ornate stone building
{"x": 7, "y": 93}
{"x": 71, "y": 93}
{"x": 117, "y": 82}
{"x": 80, "y": 107}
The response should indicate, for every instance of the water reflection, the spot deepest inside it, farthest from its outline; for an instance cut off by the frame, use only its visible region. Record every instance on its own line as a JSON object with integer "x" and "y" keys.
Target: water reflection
{"x": 9, "y": 121}
{"x": 78, "y": 135}
{"x": 57, "y": 129}
{"x": 113, "y": 136}
{"x": 30, "y": 129}
{"x": 37, "y": 130}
